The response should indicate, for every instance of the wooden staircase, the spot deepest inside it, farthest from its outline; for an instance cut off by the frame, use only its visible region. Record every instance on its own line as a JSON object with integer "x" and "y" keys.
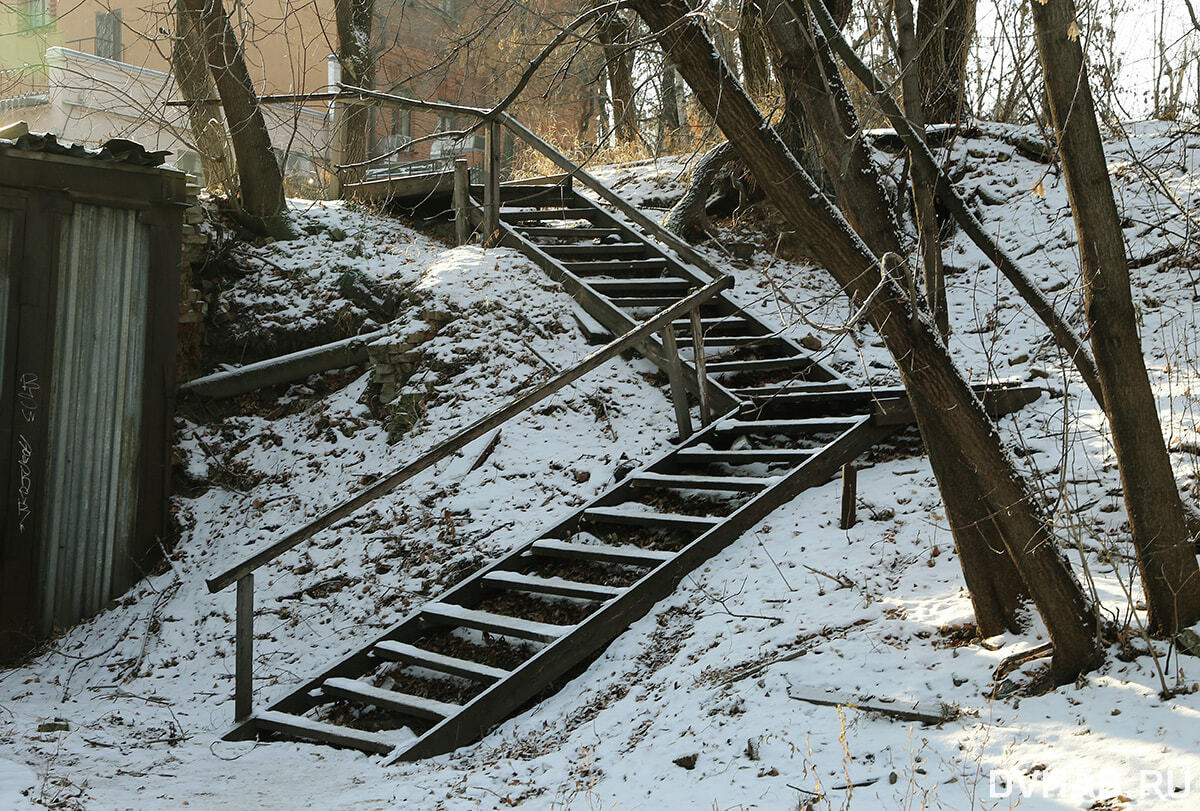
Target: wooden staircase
{"x": 450, "y": 671}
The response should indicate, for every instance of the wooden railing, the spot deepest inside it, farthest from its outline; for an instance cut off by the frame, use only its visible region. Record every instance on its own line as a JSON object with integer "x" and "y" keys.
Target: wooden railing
{"x": 243, "y": 573}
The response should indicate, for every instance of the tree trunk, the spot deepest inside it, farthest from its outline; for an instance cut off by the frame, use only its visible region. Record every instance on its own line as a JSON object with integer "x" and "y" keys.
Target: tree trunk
{"x": 613, "y": 33}
{"x": 755, "y": 73}
{"x": 669, "y": 119}
{"x": 944, "y": 29}
{"x": 922, "y": 182}
{"x": 942, "y": 401}
{"x": 261, "y": 180}
{"x": 805, "y": 69}
{"x": 1170, "y": 576}
{"x": 205, "y": 120}
{"x": 358, "y": 69}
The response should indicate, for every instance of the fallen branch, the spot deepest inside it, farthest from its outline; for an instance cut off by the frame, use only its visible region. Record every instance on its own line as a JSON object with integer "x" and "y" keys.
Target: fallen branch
{"x": 946, "y": 712}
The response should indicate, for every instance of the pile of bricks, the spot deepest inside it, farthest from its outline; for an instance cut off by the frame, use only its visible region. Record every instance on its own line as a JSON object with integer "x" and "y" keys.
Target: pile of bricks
{"x": 192, "y": 306}
{"x": 394, "y": 359}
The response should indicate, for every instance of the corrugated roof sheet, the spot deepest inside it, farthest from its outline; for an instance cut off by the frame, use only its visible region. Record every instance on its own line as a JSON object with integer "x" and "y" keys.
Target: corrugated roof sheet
{"x": 117, "y": 150}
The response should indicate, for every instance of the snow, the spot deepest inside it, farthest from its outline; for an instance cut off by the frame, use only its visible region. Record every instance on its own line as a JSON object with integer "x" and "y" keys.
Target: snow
{"x": 796, "y": 607}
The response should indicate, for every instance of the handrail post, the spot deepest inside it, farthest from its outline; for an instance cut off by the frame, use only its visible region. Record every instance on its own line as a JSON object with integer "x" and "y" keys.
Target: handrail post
{"x": 683, "y": 416}
{"x": 243, "y": 678}
{"x": 698, "y": 361}
{"x": 462, "y": 214}
{"x": 491, "y": 188}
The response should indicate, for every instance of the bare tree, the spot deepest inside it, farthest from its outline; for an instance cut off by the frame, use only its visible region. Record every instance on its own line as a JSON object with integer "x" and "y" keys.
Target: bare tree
{"x": 1170, "y": 576}
{"x": 944, "y": 31}
{"x": 260, "y": 179}
{"x": 614, "y": 34}
{"x": 946, "y": 409}
{"x": 205, "y": 119}
{"x": 353, "y": 19}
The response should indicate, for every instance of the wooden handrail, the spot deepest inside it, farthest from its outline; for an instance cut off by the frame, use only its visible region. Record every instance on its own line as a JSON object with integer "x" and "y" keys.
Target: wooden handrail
{"x": 477, "y": 429}
{"x": 685, "y": 251}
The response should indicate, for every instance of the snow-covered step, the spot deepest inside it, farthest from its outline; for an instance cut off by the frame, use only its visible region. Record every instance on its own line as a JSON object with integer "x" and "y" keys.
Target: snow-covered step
{"x": 416, "y": 706}
{"x": 495, "y": 623}
{"x": 582, "y": 232}
{"x": 616, "y": 515}
{"x": 603, "y": 553}
{"x": 597, "y": 250}
{"x": 743, "y": 456}
{"x": 748, "y": 484}
{"x": 611, "y": 265}
{"x": 764, "y": 365}
{"x": 554, "y": 586}
{"x": 791, "y": 387}
{"x": 307, "y": 729}
{"x": 801, "y": 426}
{"x": 543, "y": 214}
{"x": 450, "y": 665}
{"x": 660, "y": 285}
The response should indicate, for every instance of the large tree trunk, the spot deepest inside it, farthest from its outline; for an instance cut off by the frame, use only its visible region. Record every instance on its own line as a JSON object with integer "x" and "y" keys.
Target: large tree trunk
{"x": 613, "y": 33}
{"x": 942, "y": 401}
{"x": 669, "y": 117}
{"x": 358, "y": 69}
{"x": 1168, "y": 563}
{"x": 261, "y": 180}
{"x": 205, "y": 120}
{"x": 922, "y": 181}
{"x": 944, "y": 30}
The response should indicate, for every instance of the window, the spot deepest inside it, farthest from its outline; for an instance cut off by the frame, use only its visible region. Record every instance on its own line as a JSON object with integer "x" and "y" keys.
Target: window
{"x": 108, "y": 35}
{"x": 36, "y": 13}
{"x": 398, "y": 135}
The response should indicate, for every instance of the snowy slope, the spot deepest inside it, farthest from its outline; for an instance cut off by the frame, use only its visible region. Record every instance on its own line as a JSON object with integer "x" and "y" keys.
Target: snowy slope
{"x": 795, "y": 608}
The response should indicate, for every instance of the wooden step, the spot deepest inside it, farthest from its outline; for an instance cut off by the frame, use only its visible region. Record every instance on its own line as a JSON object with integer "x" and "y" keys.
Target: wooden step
{"x": 615, "y": 265}
{"x": 743, "y": 456}
{"x": 718, "y": 325}
{"x": 792, "y": 387}
{"x": 602, "y": 553}
{"x": 555, "y": 586}
{"x": 728, "y": 341}
{"x": 309, "y": 730}
{"x": 637, "y": 302}
{"x": 494, "y": 623}
{"x": 804, "y": 426}
{"x": 545, "y": 214}
{"x": 581, "y": 232}
{"x": 615, "y": 515}
{"x": 661, "y": 285}
{"x": 361, "y": 692}
{"x": 598, "y": 252}
{"x": 766, "y": 365}
{"x": 742, "y": 484}
{"x": 450, "y": 665}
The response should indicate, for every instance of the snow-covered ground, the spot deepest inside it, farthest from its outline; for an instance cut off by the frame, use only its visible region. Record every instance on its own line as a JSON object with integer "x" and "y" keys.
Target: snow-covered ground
{"x": 125, "y": 711}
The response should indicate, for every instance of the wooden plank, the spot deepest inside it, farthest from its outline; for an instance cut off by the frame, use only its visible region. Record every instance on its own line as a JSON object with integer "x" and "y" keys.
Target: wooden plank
{"x": 698, "y": 360}
{"x": 766, "y": 365}
{"x": 494, "y": 623}
{"x": 544, "y": 214}
{"x": 554, "y": 586}
{"x": 801, "y": 426}
{"x": 683, "y": 417}
{"x": 662, "y": 284}
{"x": 362, "y": 692}
{"x": 597, "y": 250}
{"x": 743, "y": 456}
{"x": 450, "y": 665}
{"x": 403, "y": 188}
{"x": 680, "y": 481}
{"x": 615, "y": 515}
{"x": 309, "y": 730}
{"x": 849, "y": 496}
{"x": 462, "y": 213}
{"x": 580, "y": 232}
{"x": 603, "y": 553}
{"x": 609, "y": 265}
{"x": 243, "y": 685}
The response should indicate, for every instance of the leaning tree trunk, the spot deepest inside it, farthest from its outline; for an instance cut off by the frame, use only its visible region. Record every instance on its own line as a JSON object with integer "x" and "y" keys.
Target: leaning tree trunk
{"x": 669, "y": 119}
{"x": 261, "y": 181}
{"x": 809, "y": 73}
{"x": 922, "y": 182}
{"x": 358, "y": 69}
{"x": 1166, "y": 558}
{"x": 205, "y": 119}
{"x": 942, "y": 401}
{"x": 944, "y": 30}
{"x": 997, "y": 591}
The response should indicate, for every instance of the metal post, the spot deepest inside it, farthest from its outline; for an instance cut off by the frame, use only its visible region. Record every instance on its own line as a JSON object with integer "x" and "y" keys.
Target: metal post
{"x": 337, "y": 132}
{"x": 243, "y": 680}
{"x": 491, "y": 188}
{"x": 698, "y": 361}
{"x": 462, "y": 188}
{"x": 675, "y": 374}
{"x": 849, "y": 496}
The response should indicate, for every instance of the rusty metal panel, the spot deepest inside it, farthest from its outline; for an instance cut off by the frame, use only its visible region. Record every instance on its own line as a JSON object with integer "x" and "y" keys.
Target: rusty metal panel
{"x": 96, "y": 409}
